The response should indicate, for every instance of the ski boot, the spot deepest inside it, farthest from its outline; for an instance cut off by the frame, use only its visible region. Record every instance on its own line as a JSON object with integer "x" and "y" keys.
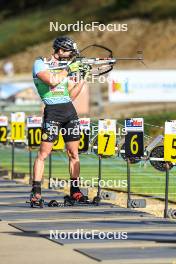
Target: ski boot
{"x": 36, "y": 200}
{"x": 76, "y": 197}
{"x": 35, "y": 197}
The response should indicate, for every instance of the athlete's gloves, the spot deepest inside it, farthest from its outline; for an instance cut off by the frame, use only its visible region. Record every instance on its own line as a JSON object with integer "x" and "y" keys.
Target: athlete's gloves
{"x": 84, "y": 70}
{"x": 74, "y": 67}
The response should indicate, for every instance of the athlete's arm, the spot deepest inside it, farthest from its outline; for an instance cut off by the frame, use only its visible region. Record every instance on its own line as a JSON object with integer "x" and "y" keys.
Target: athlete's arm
{"x": 52, "y": 79}
{"x": 41, "y": 71}
{"x": 75, "y": 89}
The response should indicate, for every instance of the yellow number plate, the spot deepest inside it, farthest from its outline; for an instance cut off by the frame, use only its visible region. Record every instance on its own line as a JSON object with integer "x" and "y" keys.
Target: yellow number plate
{"x": 84, "y": 141}
{"x": 3, "y": 134}
{"x": 59, "y": 143}
{"x": 170, "y": 147}
{"x": 81, "y": 142}
{"x": 18, "y": 131}
{"x": 106, "y": 143}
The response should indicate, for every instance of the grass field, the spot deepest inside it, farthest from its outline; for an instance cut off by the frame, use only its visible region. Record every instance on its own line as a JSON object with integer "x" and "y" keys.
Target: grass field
{"x": 144, "y": 178}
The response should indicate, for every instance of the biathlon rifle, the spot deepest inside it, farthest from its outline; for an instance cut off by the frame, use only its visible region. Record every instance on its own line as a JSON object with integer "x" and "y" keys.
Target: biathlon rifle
{"x": 100, "y": 66}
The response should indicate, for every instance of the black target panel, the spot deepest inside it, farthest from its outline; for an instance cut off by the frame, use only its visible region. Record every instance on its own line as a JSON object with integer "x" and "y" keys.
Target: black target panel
{"x": 34, "y": 136}
{"x": 134, "y": 144}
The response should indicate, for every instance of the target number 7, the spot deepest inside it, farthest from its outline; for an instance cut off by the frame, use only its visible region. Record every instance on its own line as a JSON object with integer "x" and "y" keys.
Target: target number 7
{"x": 108, "y": 137}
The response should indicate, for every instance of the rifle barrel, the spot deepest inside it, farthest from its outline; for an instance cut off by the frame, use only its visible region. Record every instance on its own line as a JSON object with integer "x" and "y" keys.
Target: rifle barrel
{"x": 139, "y": 58}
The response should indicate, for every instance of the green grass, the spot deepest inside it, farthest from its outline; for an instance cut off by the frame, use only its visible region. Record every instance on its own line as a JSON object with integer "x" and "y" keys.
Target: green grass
{"x": 144, "y": 178}
{"x": 31, "y": 26}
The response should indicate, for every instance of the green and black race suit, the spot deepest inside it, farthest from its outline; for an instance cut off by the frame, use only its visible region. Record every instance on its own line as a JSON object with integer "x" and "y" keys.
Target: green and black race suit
{"x": 59, "y": 113}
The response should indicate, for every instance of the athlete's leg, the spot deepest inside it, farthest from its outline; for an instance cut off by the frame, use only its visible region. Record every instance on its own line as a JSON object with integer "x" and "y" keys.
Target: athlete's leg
{"x": 74, "y": 169}
{"x": 71, "y": 139}
{"x": 74, "y": 164}
{"x": 45, "y": 149}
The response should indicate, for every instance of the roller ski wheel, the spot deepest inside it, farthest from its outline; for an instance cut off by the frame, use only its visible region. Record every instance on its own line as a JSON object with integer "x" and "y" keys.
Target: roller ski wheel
{"x": 53, "y": 203}
{"x": 96, "y": 200}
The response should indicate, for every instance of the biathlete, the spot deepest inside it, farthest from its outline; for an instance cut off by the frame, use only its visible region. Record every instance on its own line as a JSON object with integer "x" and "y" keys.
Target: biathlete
{"x": 57, "y": 91}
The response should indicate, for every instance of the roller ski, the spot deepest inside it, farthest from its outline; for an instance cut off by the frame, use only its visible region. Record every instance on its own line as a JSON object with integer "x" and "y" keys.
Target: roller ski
{"x": 78, "y": 199}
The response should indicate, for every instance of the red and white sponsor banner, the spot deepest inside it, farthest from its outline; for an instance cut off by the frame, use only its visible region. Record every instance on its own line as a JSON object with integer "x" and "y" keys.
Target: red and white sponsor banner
{"x": 84, "y": 123}
{"x": 34, "y": 121}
